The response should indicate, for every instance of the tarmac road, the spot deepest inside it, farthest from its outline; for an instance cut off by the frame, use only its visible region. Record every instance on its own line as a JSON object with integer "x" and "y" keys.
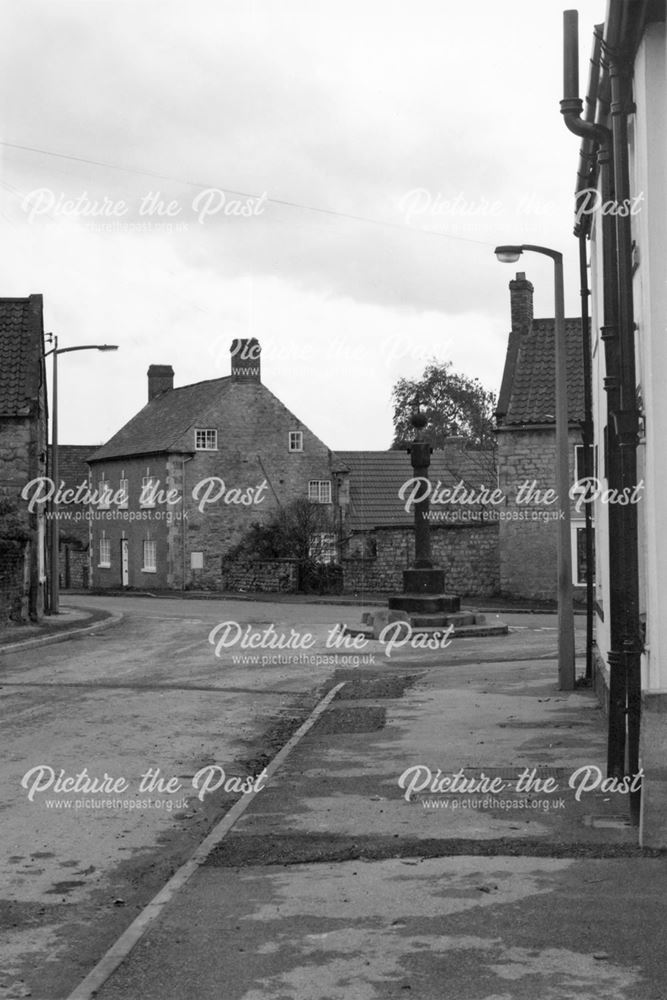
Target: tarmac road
{"x": 149, "y": 693}
{"x": 152, "y": 700}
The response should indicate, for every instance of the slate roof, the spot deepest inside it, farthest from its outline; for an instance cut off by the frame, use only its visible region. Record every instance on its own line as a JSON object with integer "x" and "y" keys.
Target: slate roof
{"x": 162, "y": 421}
{"x": 21, "y": 350}
{"x": 528, "y": 390}
{"x": 377, "y": 476}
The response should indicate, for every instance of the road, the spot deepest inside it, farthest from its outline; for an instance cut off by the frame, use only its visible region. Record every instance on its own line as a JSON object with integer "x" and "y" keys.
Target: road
{"x": 104, "y": 737}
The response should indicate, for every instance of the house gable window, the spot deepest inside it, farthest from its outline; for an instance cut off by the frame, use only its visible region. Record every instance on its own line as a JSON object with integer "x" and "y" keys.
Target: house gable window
{"x": 150, "y": 557}
{"x": 105, "y": 552}
{"x": 319, "y": 491}
{"x": 206, "y": 439}
{"x": 295, "y": 441}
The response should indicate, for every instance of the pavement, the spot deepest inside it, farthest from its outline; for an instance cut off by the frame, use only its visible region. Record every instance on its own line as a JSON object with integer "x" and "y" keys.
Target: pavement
{"x": 439, "y": 828}
{"x": 55, "y": 628}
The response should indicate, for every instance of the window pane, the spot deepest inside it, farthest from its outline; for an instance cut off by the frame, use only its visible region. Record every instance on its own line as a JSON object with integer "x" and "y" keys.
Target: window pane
{"x": 149, "y": 556}
{"x": 206, "y": 439}
{"x": 103, "y": 493}
{"x": 148, "y": 489}
{"x": 105, "y": 552}
{"x": 319, "y": 490}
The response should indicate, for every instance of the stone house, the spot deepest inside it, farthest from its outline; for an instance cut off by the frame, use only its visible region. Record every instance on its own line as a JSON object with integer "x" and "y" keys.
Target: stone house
{"x": 377, "y": 519}
{"x": 526, "y": 434}
{"x": 23, "y": 434}
{"x": 180, "y": 485}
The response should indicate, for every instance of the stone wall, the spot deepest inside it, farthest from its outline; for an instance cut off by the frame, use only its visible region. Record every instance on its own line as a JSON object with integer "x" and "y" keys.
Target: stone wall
{"x": 13, "y": 596}
{"x": 21, "y": 591}
{"x": 74, "y": 568}
{"x": 528, "y": 532}
{"x": 652, "y": 756}
{"x": 469, "y": 556}
{"x": 266, "y": 575}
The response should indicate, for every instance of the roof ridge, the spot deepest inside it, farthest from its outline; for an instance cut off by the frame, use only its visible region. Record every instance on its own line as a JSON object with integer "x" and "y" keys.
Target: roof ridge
{"x": 191, "y": 385}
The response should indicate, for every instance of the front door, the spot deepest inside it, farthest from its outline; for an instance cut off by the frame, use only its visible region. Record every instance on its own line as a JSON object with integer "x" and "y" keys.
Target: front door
{"x": 125, "y": 562}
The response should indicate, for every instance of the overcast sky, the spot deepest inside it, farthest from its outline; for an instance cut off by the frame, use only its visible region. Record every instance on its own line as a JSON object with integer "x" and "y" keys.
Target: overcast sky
{"x": 380, "y": 148}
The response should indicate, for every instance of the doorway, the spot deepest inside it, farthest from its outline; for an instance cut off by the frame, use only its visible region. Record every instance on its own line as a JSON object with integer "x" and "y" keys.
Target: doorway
{"x": 125, "y": 562}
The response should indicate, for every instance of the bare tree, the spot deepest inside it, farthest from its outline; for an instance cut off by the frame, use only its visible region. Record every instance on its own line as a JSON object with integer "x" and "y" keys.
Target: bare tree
{"x": 456, "y": 406}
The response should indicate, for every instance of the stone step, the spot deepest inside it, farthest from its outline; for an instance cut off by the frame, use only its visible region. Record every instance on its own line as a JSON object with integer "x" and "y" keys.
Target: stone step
{"x": 457, "y": 619}
{"x": 480, "y": 631}
{"x": 427, "y": 604}
{"x": 460, "y": 632}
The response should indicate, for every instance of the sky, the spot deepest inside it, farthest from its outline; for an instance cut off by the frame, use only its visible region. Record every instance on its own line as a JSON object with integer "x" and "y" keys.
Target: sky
{"x": 330, "y": 178}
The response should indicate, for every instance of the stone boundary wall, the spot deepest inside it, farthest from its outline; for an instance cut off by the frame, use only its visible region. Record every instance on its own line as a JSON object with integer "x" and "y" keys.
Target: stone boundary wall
{"x": 469, "y": 556}
{"x": 260, "y": 575}
{"x": 13, "y": 595}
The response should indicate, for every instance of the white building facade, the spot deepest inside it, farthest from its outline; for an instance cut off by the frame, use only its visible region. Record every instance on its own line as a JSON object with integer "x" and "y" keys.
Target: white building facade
{"x": 622, "y": 228}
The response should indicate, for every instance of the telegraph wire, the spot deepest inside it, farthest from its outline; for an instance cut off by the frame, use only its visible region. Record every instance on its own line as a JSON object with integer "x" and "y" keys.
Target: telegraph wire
{"x": 241, "y": 194}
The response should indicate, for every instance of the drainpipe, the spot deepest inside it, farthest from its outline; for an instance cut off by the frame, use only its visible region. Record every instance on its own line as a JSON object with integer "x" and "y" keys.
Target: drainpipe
{"x": 598, "y": 135}
{"x": 588, "y": 439}
{"x": 627, "y": 416}
{"x": 183, "y": 521}
{"x": 595, "y": 137}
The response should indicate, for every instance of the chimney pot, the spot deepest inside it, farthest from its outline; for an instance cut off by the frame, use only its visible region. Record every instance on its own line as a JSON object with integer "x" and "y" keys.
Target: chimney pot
{"x": 246, "y": 366}
{"x": 160, "y": 379}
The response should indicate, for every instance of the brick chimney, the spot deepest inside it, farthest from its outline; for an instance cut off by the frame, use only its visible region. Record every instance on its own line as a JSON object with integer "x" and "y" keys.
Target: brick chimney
{"x": 246, "y": 365}
{"x": 160, "y": 379}
{"x": 521, "y": 303}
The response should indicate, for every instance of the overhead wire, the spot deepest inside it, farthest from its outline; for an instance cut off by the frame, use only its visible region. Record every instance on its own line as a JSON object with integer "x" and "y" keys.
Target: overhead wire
{"x": 285, "y": 203}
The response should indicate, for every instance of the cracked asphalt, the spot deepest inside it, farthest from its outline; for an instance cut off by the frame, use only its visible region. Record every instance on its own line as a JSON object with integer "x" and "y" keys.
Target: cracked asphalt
{"x": 338, "y": 882}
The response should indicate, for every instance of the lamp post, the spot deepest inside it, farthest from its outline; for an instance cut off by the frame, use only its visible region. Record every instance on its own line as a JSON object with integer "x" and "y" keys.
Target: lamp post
{"x": 566, "y": 664}
{"x": 55, "y": 472}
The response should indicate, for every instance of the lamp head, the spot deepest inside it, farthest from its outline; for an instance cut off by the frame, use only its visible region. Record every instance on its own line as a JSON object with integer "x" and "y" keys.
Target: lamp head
{"x": 508, "y": 254}
{"x": 107, "y": 347}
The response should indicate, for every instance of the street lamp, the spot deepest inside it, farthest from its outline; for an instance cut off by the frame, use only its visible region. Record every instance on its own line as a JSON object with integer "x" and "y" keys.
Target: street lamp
{"x": 566, "y": 668}
{"x": 55, "y": 473}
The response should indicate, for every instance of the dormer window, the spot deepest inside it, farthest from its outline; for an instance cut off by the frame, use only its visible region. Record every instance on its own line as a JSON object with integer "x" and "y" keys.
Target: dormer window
{"x": 206, "y": 439}
{"x": 296, "y": 440}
